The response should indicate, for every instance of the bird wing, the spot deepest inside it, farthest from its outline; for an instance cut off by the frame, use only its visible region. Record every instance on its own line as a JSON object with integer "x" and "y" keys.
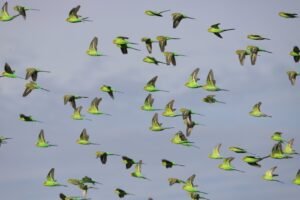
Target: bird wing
{"x": 84, "y": 135}
{"x": 210, "y": 80}
{"x": 4, "y": 7}
{"x": 94, "y": 44}
{"x": 155, "y": 120}
{"x": 169, "y": 106}
{"x": 73, "y": 11}
{"x": 172, "y": 59}
{"x": 215, "y": 25}
{"x": 26, "y": 91}
{"x": 50, "y": 175}
{"x": 218, "y": 35}
{"x": 41, "y": 137}
{"x": 149, "y": 100}
{"x": 194, "y": 75}
{"x": 124, "y": 49}
{"x": 182, "y": 136}
{"x": 152, "y": 81}
{"x": 256, "y": 107}
{"x": 217, "y": 149}
{"x": 296, "y": 49}
{"x": 138, "y": 167}
{"x": 8, "y": 69}
{"x": 177, "y": 17}
{"x": 190, "y": 180}
{"x": 162, "y": 45}
{"x": 228, "y": 160}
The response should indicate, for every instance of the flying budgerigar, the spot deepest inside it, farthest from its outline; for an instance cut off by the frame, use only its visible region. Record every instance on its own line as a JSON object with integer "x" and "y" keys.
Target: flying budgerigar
{"x": 93, "y": 48}
{"x": 150, "y": 86}
{"x": 103, "y": 156}
{"x": 163, "y": 41}
{"x": 74, "y": 17}
{"x": 156, "y": 126}
{"x": 84, "y": 138}
{"x": 155, "y": 13}
{"x": 108, "y": 89}
{"x": 217, "y": 31}
{"x": 72, "y": 99}
{"x": 148, "y": 104}
{"x": 123, "y": 43}
{"x": 177, "y": 17}
{"x": 22, "y": 10}
{"x": 42, "y": 142}
{"x": 29, "y": 87}
{"x": 9, "y": 73}
{"x": 51, "y": 181}
{"x": 32, "y": 73}
{"x": 255, "y": 112}
{"x": 4, "y": 15}
{"x": 296, "y": 54}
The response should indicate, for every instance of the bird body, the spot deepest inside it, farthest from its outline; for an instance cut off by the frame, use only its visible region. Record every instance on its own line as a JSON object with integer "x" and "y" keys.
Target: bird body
{"x": 211, "y": 83}
{"x": 148, "y": 42}
{"x": 292, "y": 76}
{"x": 180, "y": 139}
{"x": 211, "y": 99}
{"x": 27, "y": 118}
{"x": 123, "y": 43}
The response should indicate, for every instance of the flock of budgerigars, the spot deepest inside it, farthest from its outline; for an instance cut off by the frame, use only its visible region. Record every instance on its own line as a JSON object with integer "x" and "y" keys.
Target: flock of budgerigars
{"x": 180, "y": 138}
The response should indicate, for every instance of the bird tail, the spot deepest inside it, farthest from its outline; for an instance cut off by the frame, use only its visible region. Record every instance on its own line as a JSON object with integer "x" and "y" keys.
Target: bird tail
{"x": 265, "y": 157}
{"x": 164, "y": 90}
{"x": 133, "y": 48}
{"x": 161, "y": 62}
{"x": 164, "y": 11}
{"x": 119, "y": 91}
{"x": 265, "y": 51}
{"x": 189, "y": 17}
{"x": 20, "y": 77}
{"x": 86, "y": 19}
{"x": 34, "y": 9}
{"x": 221, "y": 102}
{"x": 179, "y": 165}
{"x": 169, "y": 127}
{"x": 88, "y": 119}
{"x": 44, "y": 71}
{"x": 225, "y": 90}
{"x": 37, "y": 121}
{"x": 239, "y": 170}
{"x": 198, "y": 114}
{"x": 94, "y": 143}
{"x": 45, "y": 89}
{"x": 230, "y": 29}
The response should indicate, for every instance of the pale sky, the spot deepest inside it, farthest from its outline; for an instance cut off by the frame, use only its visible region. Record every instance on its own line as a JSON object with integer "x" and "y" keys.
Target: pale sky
{"x": 45, "y": 40}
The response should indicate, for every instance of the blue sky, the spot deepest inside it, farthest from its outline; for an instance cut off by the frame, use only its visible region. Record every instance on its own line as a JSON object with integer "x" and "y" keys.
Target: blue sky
{"x": 47, "y": 41}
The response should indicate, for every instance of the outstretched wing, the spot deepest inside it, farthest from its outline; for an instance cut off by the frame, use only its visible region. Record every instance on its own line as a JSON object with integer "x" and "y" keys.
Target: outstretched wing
{"x": 210, "y": 78}
{"x": 152, "y": 81}
{"x": 73, "y": 11}
{"x": 50, "y": 175}
{"x": 94, "y": 44}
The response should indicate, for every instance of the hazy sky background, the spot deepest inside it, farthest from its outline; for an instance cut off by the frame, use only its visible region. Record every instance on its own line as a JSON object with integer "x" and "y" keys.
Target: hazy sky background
{"x": 47, "y": 41}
